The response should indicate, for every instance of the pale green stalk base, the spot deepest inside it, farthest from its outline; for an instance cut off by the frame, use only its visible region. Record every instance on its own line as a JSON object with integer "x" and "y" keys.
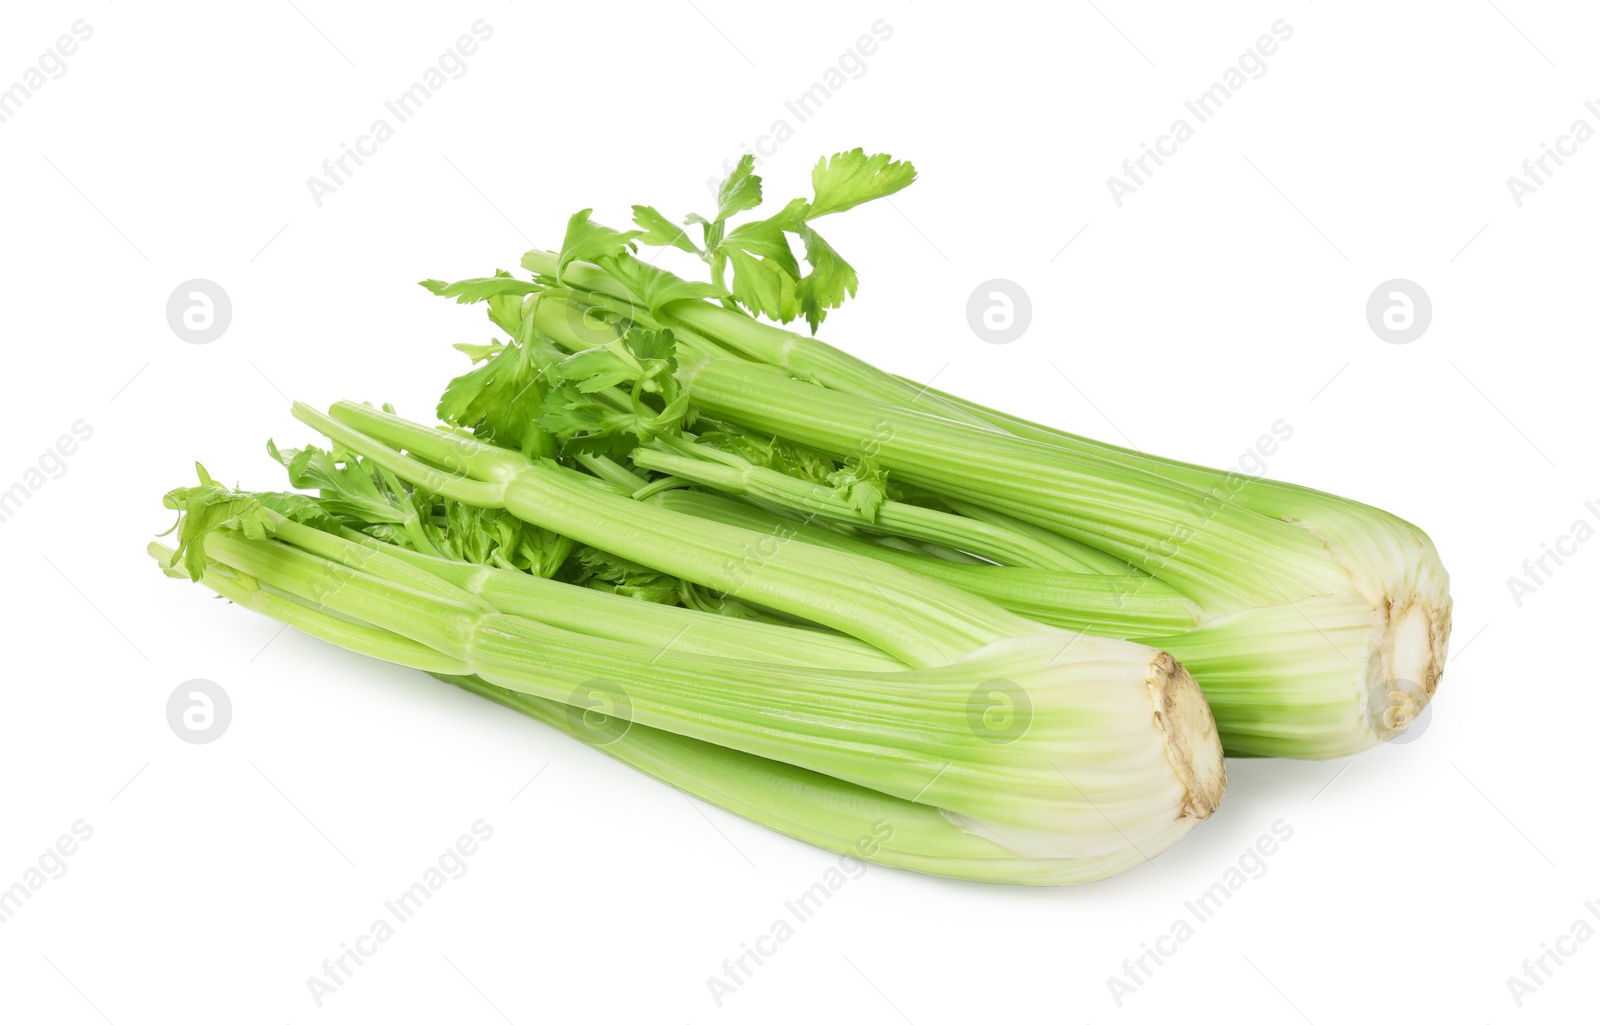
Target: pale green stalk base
{"x": 840, "y": 816}
{"x": 818, "y": 809}
{"x": 1228, "y": 545}
{"x": 1090, "y": 772}
{"x": 1287, "y": 680}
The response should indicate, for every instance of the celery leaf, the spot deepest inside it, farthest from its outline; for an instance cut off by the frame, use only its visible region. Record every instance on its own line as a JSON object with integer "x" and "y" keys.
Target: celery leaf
{"x": 849, "y": 179}
{"x": 586, "y": 239}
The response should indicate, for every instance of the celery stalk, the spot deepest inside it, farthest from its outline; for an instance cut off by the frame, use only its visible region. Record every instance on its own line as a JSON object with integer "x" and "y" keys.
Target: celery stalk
{"x": 810, "y": 806}
{"x": 1117, "y": 747}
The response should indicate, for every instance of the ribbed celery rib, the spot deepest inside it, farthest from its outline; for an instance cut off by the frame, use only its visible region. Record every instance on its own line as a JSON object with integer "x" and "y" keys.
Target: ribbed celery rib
{"x": 905, "y": 733}
{"x": 1210, "y": 549}
{"x": 920, "y": 621}
{"x": 814, "y": 807}
{"x": 1110, "y": 605}
{"x": 1090, "y": 774}
{"x": 1231, "y": 544}
{"x": 1005, "y": 544}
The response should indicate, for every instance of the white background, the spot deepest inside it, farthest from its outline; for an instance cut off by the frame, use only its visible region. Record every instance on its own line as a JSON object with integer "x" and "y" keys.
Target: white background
{"x": 1225, "y": 294}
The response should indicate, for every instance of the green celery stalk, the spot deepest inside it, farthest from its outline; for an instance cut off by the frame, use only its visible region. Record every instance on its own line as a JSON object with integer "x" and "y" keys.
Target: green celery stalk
{"x": 1352, "y": 602}
{"x": 812, "y": 807}
{"x": 1102, "y": 604}
{"x": 919, "y": 621}
{"x": 1118, "y": 748}
{"x": 729, "y": 473}
{"x": 1304, "y": 713}
{"x": 584, "y": 610}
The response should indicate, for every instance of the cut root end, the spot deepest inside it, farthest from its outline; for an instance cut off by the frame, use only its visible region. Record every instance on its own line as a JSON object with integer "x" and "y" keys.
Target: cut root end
{"x": 1416, "y": 642}
{"x": 1405, "y": 667}
{"x": 1193, "y": 746}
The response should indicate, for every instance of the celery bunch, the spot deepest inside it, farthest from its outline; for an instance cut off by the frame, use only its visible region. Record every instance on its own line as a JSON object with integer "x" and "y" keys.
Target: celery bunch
{"x": 872, "y": 616}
